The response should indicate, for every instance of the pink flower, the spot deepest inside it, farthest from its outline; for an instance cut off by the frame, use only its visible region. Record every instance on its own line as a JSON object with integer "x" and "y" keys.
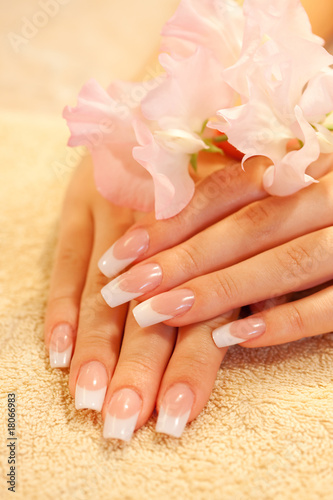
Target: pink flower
{"x": 162, "y": 129}
{"x": 264, "y": 56}
{"x": 177, "y": 110}
{"x": 288, "y": 176}
{"x": 280, "y": 58}
{"x": 213, "y": 24}
{"x": 174, "y": 187}
{"x": 104, "y": 125}
{"x": 262, "y": 127}
{"x": 278, "y": 48}
{"x": 194, "y": 88}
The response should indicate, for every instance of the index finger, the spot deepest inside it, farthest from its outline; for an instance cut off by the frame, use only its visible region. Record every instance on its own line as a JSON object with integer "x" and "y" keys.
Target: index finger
{"x": 217, "y": 196}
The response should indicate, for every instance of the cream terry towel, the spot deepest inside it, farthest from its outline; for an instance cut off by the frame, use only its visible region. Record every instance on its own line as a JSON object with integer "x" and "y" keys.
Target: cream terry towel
{"x": 266, "y": 432}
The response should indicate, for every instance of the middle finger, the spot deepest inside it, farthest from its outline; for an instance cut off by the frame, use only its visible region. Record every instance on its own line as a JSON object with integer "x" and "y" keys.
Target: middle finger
{"x": 302, "y": 263}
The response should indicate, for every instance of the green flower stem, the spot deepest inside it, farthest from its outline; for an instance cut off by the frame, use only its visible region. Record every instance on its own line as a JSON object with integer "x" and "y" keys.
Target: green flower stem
{"x": 194, "y": 162}
{"x": 211, "y": 146}
{"x": 221, "y": 138}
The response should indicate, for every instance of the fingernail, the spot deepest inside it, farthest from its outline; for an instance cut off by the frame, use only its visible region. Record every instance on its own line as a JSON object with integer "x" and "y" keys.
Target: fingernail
{"x": 133, "y": 284}
{"x": 163, "y": 307}
{"x": 175, "y": 410}
{"x": 61, "y": 346}
{"x": 238, "y": 331}
{"x": 91, "y": 386}
{"x": 123, "y": 252}
{"x": 122, "y": 415}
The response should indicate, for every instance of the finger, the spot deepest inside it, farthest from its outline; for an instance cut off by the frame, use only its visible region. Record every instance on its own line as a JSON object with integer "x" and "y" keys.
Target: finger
{"x": 131, "y": 397}
{"x": 100, "y": 329}
{"x": 217, "y": 196}
{"x": 69, "y": 271}
{"x": 301, "y": 263}
{"x": 190, "y": 375}
{"x": 306, "y": 317}
{"x": 269, "y": 303}
{"x": 258, "y": 227}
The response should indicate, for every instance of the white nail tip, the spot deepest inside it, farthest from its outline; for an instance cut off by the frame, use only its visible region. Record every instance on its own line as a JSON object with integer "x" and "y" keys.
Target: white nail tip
{"x": 110, "y": 266}
{"x": 60, "y": 359}
{"x": 92, "y": 400}
{"x": 173, "y": 426}
{"x": 223, "y": 338}
{"x": 114, "y": 296}
{"x": 146, "y": 316}
{"x": 119, "y": 428}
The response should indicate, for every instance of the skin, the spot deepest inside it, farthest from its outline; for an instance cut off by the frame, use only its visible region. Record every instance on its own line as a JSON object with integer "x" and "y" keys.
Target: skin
{"x": 256, "y": 253}
{"x": 321, "y": 14}
{"x": 280, "y": 245}
{"x": 151, "y": 360}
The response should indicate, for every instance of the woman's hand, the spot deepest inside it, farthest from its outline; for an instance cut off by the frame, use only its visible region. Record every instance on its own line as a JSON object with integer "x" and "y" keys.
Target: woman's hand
{"x": 260, "y": 248}
{"x": 159, "y": 366}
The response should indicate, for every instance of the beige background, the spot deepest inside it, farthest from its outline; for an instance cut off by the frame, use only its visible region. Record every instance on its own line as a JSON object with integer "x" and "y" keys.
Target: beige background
{"x": 82, "y": 39}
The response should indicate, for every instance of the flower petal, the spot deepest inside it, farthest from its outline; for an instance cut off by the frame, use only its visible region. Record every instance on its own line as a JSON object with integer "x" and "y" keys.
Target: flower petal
{"x": 174, "y": 187}
{"x": 254, "y": 128}
{"x": 317, "y": 99}
{"x": 278, "y": 48}
{"x": 120, "y": 179}
{"x": 98, "y": 118}
{"x": 288, "y": 175}
{"x": 104, "y": 125}
{"x": 192, "y": 92}
{"x": 325, "y": 139}
{"x": 180, "y": 141}
{"x": 214, "y": 24}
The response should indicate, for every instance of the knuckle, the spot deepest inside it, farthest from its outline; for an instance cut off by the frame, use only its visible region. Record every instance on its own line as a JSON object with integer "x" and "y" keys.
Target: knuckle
{"x": 99, "y": 337}
{"x": 94, "y": 338}
{"x": 297, "y": 259}
{"x": 139, "y": 366}
{"x": 95, "y": 283}
{"x": 92, "y": 307}
{"x": 258, "y": 219}
{"x": 188, "y": 259}
{"x": 225, "y": 286}
{"x": 59, "y": 301}
{"x": 68, "y": 257}
{"x": 197, "y": 363}
{"x": 296, "y": 323}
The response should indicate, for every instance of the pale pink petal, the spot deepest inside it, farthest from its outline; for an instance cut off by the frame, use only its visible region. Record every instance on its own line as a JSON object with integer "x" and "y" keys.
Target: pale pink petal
{"x": 131, "y": 94}
{"x": 254, "y": 128}
{"x": 279, "y": 49}
{"x": 104, "y": 125}
{"x": 120, "y": 179}
{"x": 325, "y": 139}
{"x": 317, "y": 99}
{"x": 192, "y": 92}
{"x": 280, "y": 18}
{"x": 288, "y": 175}
{"x": 174, "y": 187}
{"x": 98, "y": 118}
{"x": 214, "y": 24}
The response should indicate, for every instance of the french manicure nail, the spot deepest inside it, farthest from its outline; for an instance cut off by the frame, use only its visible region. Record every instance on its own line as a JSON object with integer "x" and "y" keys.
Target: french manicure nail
{"x": 61, "y": 346}
{"x": 163, "y": 307}
{"x": 123, "y": 252}
{"x": 175, "y": 410}
{"x": 238, "y": 331}
{"x": 133, "y": 284}
{"x": 122, "y": 415}
{"x": 91, "y": 386}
